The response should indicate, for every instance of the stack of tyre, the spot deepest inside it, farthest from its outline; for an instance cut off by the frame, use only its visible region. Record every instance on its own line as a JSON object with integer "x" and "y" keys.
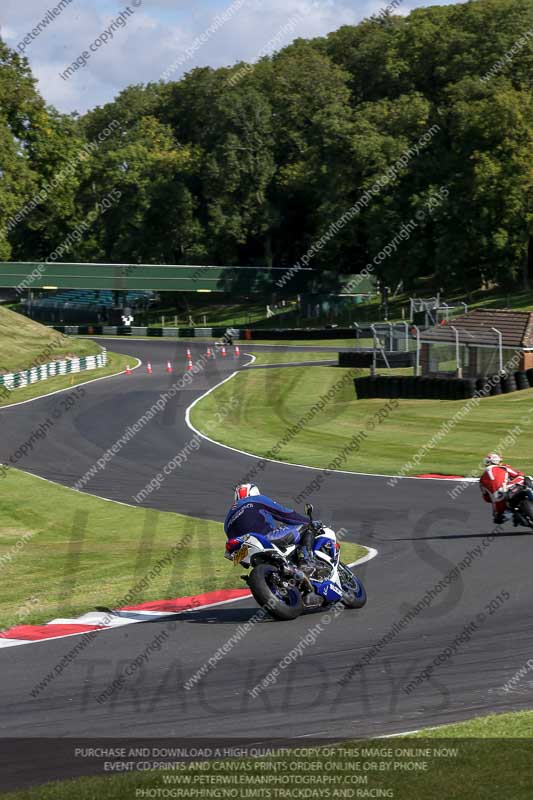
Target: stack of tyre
{"x": 359, "y": 359}
{"x": 364, "y": 358}
{"x": 504, "y": 384}
{"x": 409, "y": 387}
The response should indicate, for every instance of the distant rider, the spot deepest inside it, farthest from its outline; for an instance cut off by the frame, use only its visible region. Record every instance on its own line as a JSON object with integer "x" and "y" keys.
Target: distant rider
{"x": 253, "y": 512}
{"x": 494, "y": 484}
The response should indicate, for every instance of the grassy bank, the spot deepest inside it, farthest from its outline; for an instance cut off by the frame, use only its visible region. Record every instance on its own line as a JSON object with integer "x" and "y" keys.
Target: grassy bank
{"x": 25, "y": 343}
{"x": 461, "y": 764}
{"x": 219, "y": 314}
{"x": 274, "y": 400}
{"x": 116, "y": 362}
{"x": 115, "y": 547}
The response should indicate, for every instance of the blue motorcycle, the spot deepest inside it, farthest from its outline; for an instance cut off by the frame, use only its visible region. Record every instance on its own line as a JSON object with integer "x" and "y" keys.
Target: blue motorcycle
{"x": 284, "y": 590}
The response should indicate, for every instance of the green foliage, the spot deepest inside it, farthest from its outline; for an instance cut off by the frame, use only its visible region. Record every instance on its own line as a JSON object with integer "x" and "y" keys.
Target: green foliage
{"x": 19, "y": 104}
{"x": 252, "y": 164}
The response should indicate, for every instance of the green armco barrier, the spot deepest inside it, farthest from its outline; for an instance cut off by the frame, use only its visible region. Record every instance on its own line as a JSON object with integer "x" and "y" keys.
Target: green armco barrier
{"x": 41, "y": 372}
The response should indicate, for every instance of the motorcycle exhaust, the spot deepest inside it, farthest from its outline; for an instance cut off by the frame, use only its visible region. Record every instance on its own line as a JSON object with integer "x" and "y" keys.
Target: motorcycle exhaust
{"x": 312, "y": 600}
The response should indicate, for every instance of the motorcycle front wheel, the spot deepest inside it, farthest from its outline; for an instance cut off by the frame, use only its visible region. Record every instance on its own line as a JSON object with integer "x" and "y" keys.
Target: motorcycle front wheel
{"x": 277, "y": 597}
{"x": 354, "y": 592}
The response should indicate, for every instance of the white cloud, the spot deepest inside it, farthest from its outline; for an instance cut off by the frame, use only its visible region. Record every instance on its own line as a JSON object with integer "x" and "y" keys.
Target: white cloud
{"x": 152, "y": 40}
{"x": 7, "y": 33}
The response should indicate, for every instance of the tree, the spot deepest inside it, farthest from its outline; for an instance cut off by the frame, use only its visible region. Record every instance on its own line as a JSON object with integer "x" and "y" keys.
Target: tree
{"x": 143, "y": 172}
{"x": 19, "y": 104}
{"x": 491, "y": 211}
{"x": 256, "y": 164}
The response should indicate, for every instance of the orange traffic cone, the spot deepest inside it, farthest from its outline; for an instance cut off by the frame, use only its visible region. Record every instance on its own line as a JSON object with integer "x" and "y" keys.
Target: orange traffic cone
{"x": 169, "y": 367}
{"x": 189, "y": 366}
{"x": 149, "y": 369}
{"x": 223, "y": 351}
{"x": 188, "y": 353}
{"x": 209, "y": 353}
{"x": 237, "y": 351}
{"x": 128, "y": 369}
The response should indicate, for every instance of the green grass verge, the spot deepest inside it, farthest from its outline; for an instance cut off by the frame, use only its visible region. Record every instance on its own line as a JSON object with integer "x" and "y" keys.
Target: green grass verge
{"x": 115, "y": 547}
{"x": 288, "y": 358}
{"x": 271, "y": 401}
{"x": 116, "y": 362}
{"x": 25, "y": 343}
{"x": 514, "y": 725}
{"x": 481, "y": 769}
{"x": 306, "y": 342}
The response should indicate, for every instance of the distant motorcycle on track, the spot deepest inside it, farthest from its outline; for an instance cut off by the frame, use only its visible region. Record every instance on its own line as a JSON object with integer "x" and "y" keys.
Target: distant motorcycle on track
{"x": 284, "y": 590}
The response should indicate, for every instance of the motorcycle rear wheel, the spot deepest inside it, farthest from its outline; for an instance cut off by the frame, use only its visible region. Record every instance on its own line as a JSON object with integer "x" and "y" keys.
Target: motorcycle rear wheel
{"x": 354, "y": 592}
{"x": 281, "y": 602}
{"x": 526, "y": 510}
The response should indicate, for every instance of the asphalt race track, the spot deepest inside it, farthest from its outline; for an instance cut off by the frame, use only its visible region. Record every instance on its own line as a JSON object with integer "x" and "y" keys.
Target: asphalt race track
{"x": 421, "y": 533}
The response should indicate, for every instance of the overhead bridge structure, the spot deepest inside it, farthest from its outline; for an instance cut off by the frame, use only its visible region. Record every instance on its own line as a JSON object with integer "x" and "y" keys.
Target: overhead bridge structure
{"x": 23, "y": 276}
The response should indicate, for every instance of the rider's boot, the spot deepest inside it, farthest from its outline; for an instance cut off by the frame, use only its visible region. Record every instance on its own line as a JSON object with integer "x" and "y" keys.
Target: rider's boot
{"x": 305, "y": 561}
{"x": 502, "y": 517}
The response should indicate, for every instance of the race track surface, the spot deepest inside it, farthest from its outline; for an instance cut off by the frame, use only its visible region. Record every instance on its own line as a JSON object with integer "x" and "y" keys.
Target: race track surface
{"x": 421, "y": 534}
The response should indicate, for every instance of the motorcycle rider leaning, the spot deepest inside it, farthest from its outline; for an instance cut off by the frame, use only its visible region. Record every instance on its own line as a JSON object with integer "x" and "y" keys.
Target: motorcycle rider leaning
{"x": 494, "y": 483}
{"x": 253, "y": 512}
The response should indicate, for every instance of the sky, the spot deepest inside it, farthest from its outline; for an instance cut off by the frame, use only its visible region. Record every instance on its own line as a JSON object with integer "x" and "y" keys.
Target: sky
{"x": 116, "y": 44}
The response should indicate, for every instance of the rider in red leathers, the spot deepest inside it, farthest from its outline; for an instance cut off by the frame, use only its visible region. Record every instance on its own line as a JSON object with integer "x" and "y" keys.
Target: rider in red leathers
{"x": 495, "y": 482}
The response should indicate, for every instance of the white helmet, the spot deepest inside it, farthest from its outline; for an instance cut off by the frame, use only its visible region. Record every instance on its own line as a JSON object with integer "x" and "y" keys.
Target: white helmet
{"x": 493, "y": 459}
{"x": 244, "y": 490}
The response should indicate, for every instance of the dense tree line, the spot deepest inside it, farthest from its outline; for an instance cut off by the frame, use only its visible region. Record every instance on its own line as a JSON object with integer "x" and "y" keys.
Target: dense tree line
{"x": 245, "y": 166}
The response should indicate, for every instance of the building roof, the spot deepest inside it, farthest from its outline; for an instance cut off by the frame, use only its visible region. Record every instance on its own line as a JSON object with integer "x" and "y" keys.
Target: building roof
{"x": 475, "y": 327}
